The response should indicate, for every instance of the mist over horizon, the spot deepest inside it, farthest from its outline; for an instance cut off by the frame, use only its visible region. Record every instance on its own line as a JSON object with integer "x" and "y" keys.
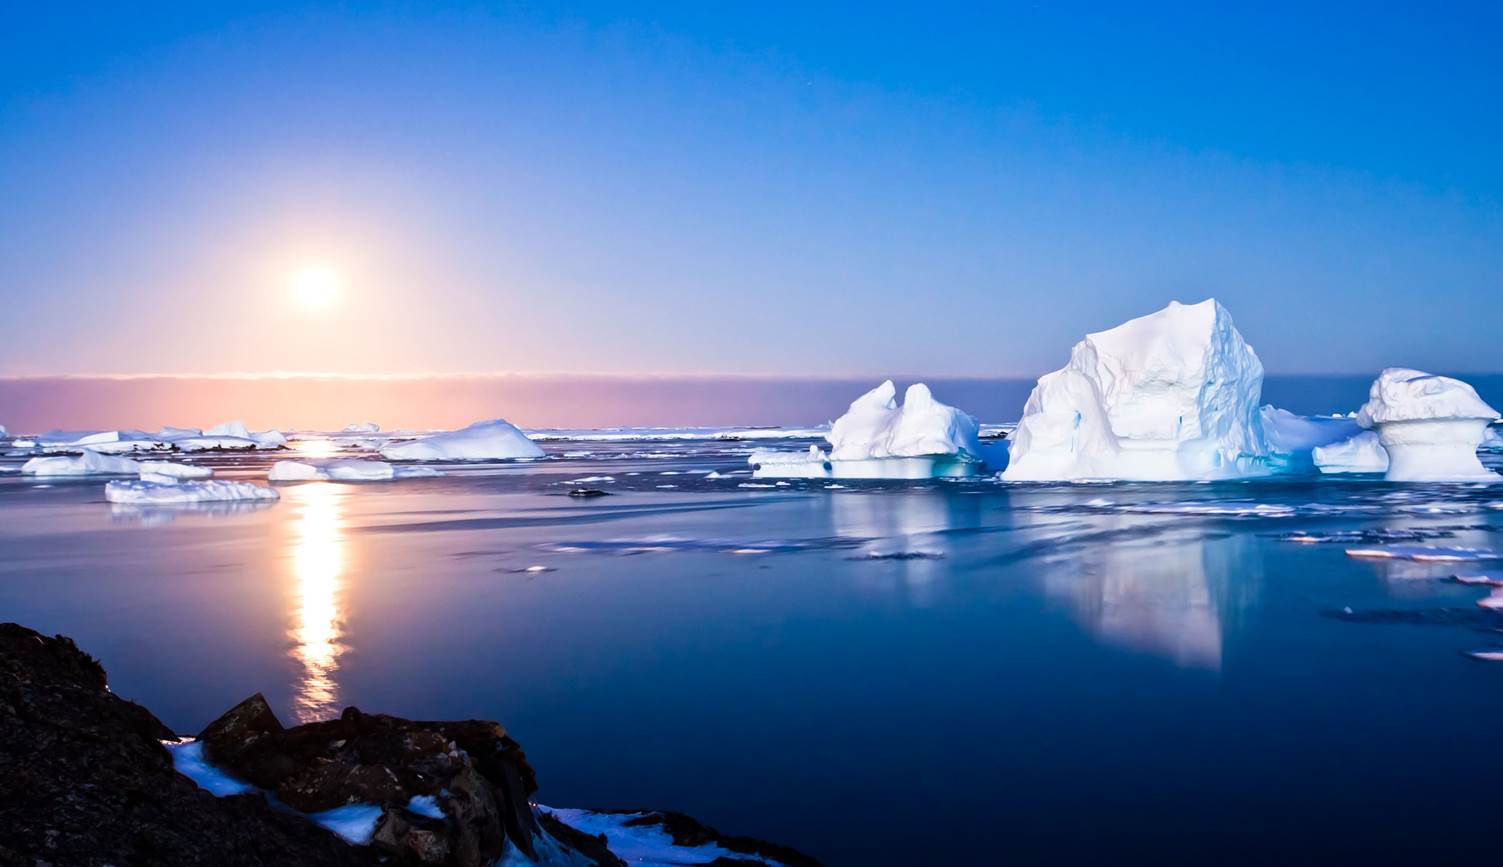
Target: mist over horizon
{"x": 37, "y": 404}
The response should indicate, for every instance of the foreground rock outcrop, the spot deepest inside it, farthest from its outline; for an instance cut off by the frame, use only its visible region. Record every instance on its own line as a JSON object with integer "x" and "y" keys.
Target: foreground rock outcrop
{"x": 85, "y": 779}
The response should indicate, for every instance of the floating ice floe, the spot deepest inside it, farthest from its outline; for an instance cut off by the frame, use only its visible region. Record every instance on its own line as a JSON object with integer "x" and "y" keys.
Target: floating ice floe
{"x": 1425, "y": 553}
{"x": 879, "y": 439}
{"x": 1171, "y": 395}
{"x": 344, "y": 470}
{"x": 163, "y": 490}
{"x": 1429, "y": 425}
{"x": 1361, "y": 453}
{"x": 362, "y": 427}
{"x": 88, "y": 463}
{"x": 495, "y": 439}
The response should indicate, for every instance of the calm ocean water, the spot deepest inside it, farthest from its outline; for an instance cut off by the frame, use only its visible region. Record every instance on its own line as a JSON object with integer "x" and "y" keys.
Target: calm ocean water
{"x": 877, "y": 673}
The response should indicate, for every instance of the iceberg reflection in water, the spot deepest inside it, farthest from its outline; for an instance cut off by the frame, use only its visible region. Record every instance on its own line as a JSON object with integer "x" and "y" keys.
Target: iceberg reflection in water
{"x": 318, "y": 564}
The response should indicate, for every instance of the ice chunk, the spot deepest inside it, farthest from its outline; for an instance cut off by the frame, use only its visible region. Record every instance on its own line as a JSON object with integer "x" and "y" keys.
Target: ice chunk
{"x": 362, "y": 427}
{"x": 484, "y": 440}
{"x": 174, "y": 470}
{"x": 427, "y": 805}
{"x": 1430, "y": 426}
{"x": 1170, "y": 395}
{"x": 343, "y": 470}
{"x": 172, "y": 492}
{"x": 235, "y": 429}
{"x": 87, "y": 464}
{"x": 114, "y": 442}
{"x": 1362, "y": 453}
{"x": 213, "y": 443}
{"x": 642, "y": 838}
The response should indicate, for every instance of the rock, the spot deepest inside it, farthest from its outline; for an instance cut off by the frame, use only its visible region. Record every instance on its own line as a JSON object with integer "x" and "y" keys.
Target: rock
{"x": 479, "y": 775}
{"x": 88, "y": 782}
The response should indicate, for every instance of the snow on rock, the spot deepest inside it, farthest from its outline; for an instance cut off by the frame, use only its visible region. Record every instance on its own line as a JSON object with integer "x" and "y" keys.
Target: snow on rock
{"x": 1170, "y": 395}
{"x": 344, "y": 470}
{"x": 362, "y": 427}
{"x": 174, "y": 470}
{"x": 162, "y": 490}
{"x": 495, "y": 439}
{"x": 87, "y": 464}
{"x": 1430, "y": 426}
{"x": 1361, "y": 453}
{"x": 878, "y": 438}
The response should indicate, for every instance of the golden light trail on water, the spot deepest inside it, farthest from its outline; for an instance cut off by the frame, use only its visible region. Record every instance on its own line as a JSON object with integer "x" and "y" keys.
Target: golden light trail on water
{"x": 318, "y": 567}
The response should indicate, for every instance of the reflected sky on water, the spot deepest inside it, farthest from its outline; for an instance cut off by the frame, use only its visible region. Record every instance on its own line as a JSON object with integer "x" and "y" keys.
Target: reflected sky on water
{"x": 1056, "y": 673}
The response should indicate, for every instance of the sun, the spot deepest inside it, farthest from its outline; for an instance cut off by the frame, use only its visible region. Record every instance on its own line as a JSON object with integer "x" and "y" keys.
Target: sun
{"x": 316, "y": 287}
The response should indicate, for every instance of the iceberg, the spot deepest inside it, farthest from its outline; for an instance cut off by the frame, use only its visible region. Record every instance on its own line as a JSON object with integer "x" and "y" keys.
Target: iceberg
{"x": 161, "y": 490}
{"x": 171, "y": 470}
{"x": 879, "y": 439}
{"x": 344, "y": 470}
{"x": 495, "y": 439}
{"x": 1429, "y": 425}
{"x": 1168, "y": 396}
{"x": 236, "y": 430}
{"x": 87, "y": 464}
{"x": 1361, "y": 453}
{"x": 362, "y": 427}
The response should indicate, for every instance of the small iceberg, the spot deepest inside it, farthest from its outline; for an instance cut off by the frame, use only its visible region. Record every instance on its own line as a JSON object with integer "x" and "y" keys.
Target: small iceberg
{"x": 1168, "y": 396}
{"x": 1430, "y": 426}
{"x": 344, "y": 470}
{"x": 174, "y": 470}
{"x": 163, "y": 490}
{"x": 362, "y": 427}
{"x": 88, "y": 463}
{"x": 879, "y": 439}
{"x": 495, "y": 439}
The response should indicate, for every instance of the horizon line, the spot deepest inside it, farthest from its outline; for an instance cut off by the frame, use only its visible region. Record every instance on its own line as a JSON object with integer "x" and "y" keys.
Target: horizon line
{"x": 397, "y": 377}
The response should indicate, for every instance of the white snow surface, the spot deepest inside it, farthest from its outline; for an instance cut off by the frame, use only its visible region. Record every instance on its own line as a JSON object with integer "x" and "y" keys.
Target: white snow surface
{"x": 1431, "y": 426}
{"x": 88, "y": 463}
{"x": 162, "y": 490}
{"x": 1361, "y": 453}
{"x": 344, "y": 470}
{"x": 495, "y": 439}
{"x": 1171, "y": 395}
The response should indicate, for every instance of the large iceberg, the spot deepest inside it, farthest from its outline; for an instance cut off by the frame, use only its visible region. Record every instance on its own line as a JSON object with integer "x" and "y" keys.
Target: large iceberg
{"x": 1430, "y": 426}
{"x": 1170, "y": 395}
{"x": 344, "y": 470}
{"x": 495, "y": 439}
{"x": 879, "y": 439}
{"x": 161, "y": 490}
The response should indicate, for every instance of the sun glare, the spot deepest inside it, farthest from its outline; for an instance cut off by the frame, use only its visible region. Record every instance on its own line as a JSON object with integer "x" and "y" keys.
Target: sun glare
{"x": 316, "y": 287}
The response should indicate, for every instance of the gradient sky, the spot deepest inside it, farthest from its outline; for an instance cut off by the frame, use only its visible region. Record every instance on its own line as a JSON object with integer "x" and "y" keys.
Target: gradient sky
{"x": 755, "y": 189}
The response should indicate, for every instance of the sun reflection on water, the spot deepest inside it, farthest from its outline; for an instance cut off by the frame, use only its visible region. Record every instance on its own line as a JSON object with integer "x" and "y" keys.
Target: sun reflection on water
{"x": 317, "y": 569}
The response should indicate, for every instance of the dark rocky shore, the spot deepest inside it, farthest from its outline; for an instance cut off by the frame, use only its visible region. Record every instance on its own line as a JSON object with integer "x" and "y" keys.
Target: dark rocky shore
{"x": 86, "y": 780}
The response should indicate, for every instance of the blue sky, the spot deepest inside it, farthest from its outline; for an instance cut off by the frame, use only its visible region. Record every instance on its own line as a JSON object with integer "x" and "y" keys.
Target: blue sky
{"x": 763, "y": 189}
